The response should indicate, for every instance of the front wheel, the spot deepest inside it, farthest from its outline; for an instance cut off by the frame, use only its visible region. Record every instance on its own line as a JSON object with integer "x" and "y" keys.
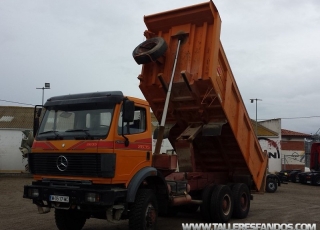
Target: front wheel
{"x": 69, "y": 219}
{"x": 144, "y": 211}
{"x": 271, "y": 186}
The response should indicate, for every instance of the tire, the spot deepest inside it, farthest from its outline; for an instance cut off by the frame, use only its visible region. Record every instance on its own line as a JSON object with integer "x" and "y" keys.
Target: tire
{"x": 221, "y": 204}
{"x": 302, "y": 179}
{"x": 271, "y": 186}
{"x": 206, "y": 200}
{"x": 149, "y": 50}
{"x": 144, "y": 211}
{"x": 69, "y": 219}
{"x": 241, "y": 201}
{"x": 317, "y": 181}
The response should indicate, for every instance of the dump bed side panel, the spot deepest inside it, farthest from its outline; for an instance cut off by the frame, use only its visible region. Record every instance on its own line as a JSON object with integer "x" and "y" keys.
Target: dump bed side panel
{"x": 204, "y": 91}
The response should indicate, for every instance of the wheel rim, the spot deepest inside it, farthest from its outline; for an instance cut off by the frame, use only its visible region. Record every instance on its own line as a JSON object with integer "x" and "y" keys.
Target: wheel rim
{"x": 151, "y": 216}
{"x": 318, "y": 181}
{"x": 244, "y": 201}
{"x": 271, "y": 186}
{"x": 226, "y": 204}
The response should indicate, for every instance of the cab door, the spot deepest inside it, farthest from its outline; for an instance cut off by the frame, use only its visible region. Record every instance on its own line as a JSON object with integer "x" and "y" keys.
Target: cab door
{"x": 138, "y": 153}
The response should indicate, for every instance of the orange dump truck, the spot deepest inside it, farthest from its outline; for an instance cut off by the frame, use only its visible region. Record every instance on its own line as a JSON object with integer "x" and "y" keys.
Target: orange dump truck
{"x": 92, "y": 154}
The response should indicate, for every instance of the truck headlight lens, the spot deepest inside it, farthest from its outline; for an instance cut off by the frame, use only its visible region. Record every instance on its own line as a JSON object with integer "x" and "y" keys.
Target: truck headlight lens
{"x": 33, "y": 192}
{"x": 92, "y": 197}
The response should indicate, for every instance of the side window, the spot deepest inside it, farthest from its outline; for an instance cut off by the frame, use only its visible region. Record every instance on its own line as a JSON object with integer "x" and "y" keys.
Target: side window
{"x": 137, "y": 126}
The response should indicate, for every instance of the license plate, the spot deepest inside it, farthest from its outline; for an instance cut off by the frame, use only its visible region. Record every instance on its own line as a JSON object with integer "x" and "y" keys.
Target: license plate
{"x": 63, "y": 199}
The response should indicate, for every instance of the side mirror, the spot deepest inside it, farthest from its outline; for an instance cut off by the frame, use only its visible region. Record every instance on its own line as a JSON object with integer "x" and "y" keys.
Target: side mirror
{"x": 39, "y": 112}
{"x": 128, "y": 111}
{"x": 35, "y": 125}
{"x": 36, "y": 119}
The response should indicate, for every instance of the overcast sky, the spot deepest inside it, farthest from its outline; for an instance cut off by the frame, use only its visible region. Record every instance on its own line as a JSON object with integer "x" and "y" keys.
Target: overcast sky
{"x": 273, "y": 47}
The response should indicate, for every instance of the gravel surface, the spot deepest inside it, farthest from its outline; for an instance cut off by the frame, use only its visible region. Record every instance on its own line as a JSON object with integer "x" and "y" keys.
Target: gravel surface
{"x": 292, "y": 203}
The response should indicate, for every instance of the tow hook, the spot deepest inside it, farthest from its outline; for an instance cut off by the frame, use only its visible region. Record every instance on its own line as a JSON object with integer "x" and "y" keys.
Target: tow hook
{"x": 43, "y": 210}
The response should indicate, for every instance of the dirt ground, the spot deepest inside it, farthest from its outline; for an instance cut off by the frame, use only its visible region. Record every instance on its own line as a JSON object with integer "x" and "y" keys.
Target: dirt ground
{"x": 292, "y": 203}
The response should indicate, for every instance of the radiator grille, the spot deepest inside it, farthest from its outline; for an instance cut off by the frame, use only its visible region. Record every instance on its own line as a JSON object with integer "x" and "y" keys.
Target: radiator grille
{"x": 88, "y": 165}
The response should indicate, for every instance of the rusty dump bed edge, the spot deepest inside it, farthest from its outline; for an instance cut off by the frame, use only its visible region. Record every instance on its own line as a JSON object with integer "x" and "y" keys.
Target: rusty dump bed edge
{"x": 204, "y": 91}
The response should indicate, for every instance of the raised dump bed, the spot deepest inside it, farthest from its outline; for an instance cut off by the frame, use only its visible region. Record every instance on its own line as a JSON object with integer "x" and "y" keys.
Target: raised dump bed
{"x": 92, "y": 156}
{"x": 209, "y": 126}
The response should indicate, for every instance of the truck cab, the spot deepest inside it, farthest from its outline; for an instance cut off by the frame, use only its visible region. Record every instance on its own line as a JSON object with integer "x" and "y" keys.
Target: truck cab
{"x": 91, "y": 153}
{"x": 91, "y": 125}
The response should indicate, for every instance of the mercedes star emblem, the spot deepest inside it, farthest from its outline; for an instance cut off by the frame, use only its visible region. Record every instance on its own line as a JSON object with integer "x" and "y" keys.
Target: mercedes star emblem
{"x": 62, "y": 163}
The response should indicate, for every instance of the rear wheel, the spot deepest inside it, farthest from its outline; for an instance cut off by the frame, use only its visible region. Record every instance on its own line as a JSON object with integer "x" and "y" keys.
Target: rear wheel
{"x": 144, "y": 211}
{"x": 221, "y": 204}
{"x": 271, "y": 185}
{"x": 241, "y": 200}
{"x": 205, "y": 206}
{"x": 69, "y": 219}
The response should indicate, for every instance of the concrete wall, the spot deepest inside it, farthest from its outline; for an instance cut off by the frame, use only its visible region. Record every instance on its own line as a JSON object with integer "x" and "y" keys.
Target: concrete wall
{"x": 293, "y": 159}
{"x": 293, "y": 154}
{"x": 11, "y": 160}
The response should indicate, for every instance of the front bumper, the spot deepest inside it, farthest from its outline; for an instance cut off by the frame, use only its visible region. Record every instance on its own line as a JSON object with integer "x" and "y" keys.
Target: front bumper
{"x": 76, "y": 194}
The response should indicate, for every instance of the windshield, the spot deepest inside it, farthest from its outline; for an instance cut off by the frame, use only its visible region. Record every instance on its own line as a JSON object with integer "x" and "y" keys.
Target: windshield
{"x": 58, "y": 124}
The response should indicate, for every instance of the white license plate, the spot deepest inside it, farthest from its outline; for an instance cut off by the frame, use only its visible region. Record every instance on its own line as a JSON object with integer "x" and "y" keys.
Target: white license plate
{"x": 63, "y": 199}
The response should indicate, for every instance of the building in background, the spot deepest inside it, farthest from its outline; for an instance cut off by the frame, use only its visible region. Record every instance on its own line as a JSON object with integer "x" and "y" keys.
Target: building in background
{"x": 285, "y": 148}
{"x": 269, "y": 136}
{"x": 293, "y": 149}
{"x": 14, "y": 123}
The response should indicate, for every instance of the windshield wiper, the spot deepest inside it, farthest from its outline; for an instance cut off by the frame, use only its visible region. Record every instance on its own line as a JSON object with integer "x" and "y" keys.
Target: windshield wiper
{"x": 80, "y": 130}
{"x": 57, "y": 136}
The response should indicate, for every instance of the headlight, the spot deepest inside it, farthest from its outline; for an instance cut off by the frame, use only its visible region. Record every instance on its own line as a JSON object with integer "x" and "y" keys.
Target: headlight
{"x": 285, "y": 173}
{"x": 92, "y": 197}
{"x": 33, "y": 192}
